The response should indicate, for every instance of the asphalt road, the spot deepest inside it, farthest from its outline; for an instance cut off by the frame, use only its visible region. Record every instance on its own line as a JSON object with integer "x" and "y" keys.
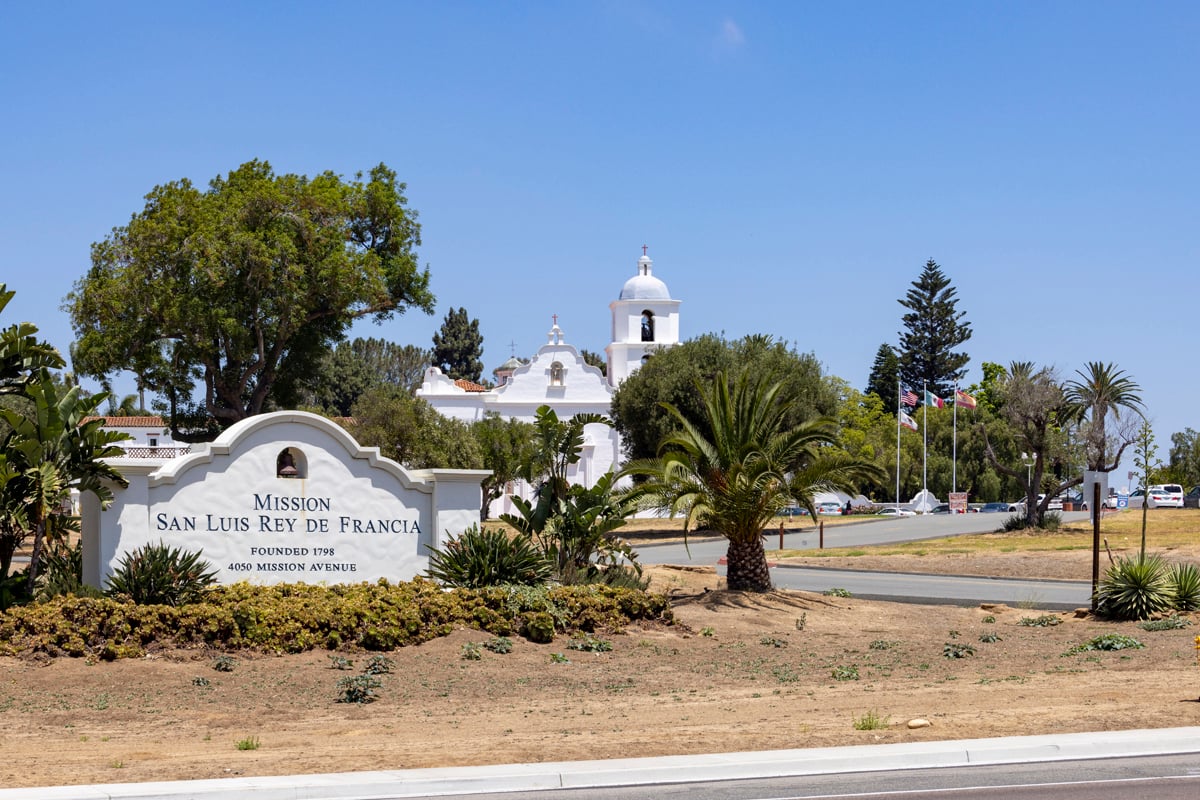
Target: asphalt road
{"x": 1171, "y": 777}
{"x": 952, "y": 589}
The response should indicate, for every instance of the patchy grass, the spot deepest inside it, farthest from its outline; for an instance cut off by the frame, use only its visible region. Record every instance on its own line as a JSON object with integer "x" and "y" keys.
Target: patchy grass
{"x": 1167, "y": 529}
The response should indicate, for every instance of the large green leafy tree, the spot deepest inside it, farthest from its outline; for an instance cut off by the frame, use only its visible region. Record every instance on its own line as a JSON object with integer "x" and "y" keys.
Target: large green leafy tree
{"x": 884, "y": 380}
{"x": 741, "y": 465}
{"x": 244, "y": 285}
{"x": 672, "y": 374}
{"x": 408, "y": 430}
{"x": 1031, "y": 400}
{"x": 346, "y": 372}
{"x": 505, "y": 444}
{"x": 933, "y": 328}
{"x": 458, "y": 346}
{"x": 1095, "y": 400}
{"x": 1184, "y": 458}
{"x": 56, "y": 447}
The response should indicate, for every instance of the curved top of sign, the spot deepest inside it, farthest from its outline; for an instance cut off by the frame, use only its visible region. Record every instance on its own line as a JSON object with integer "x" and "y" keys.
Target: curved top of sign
{"x": 289, "y": 429}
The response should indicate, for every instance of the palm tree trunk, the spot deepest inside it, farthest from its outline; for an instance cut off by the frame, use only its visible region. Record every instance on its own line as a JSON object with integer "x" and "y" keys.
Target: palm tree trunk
{"x": 747, "y": 566}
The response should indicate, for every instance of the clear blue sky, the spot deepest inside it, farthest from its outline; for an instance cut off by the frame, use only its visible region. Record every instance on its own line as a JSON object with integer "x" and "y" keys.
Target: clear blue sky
{"x": 790, "y": 164}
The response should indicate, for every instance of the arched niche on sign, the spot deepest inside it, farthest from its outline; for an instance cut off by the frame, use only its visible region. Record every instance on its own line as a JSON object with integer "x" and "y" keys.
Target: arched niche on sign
{"x": 291, "y": 464}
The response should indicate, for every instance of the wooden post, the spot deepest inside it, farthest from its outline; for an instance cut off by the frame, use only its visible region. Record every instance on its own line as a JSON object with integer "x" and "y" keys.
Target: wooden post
{"x": 1096, "y": 509}
{"x": 780, "y": 534}
{"x": 821, "y": 546}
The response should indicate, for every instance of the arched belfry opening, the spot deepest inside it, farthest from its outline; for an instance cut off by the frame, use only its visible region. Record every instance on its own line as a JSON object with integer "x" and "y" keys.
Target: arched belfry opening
{"x": 556, "y": 374}
{"x": 647, "y": 326}
{"x": 291, "y": 464}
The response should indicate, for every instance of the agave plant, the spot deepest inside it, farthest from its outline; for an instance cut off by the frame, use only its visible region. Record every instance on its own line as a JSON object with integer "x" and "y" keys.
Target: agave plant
{"x": 481, "y": 558}
{"x": 1184, "y": 580}
{"x": 1135, "y": 588}
{"x": 158, "y": 574}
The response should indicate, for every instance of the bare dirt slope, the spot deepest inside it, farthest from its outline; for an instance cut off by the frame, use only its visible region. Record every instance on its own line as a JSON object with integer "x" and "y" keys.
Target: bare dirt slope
{"x": 739, "y": 672}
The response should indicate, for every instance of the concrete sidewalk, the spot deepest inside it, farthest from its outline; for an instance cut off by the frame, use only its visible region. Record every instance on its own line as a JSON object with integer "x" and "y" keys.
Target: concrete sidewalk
{"x": 643, "y": 771}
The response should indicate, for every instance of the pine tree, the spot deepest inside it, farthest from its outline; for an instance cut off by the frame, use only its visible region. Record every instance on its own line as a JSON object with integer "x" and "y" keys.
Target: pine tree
{"x": 458, "y": 346}
{"x": 885, "y": 374}
{"x": 933, "y": 328}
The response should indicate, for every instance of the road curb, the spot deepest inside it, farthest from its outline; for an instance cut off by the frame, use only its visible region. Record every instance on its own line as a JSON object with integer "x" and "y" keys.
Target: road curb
{"x": 644, "y": 771}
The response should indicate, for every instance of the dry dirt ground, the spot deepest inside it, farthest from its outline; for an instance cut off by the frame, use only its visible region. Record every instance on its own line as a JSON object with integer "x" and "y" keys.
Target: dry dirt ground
{"x": 738, "y": 672}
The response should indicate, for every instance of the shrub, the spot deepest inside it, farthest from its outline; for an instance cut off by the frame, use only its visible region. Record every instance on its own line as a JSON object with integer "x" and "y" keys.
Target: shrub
{"x": 539, "y": 627}
{"x": 590, "y": 644}
{"x": 358, "y": 689}
{"x": 340, "y": 662}
{"x": 62, "y": 574}
{"x": 158, "y": 574}
{"x": 471, "y": 652}
{"x": 837, "y": 592}
{"x": 988, "y": 638}
{"x": 845, "y": 673}
{"x": 1043, "y": 621}
{"x": 224, "y": 663}
{"x": 1109, "y": 641}
{"x": 293, "y": 618}
{"x": 871, "y": 721}
{"x": 1134, "y": 588}
{"x": 1184, "y": 580}
{"x": 488, "y": 558}
{"x": 379, "y": 665}
{"x": 249, "y": 743}
{"x": 1171, "y": 623}
{"x": 957, "y": 650}
{"x": 501, "y": 644}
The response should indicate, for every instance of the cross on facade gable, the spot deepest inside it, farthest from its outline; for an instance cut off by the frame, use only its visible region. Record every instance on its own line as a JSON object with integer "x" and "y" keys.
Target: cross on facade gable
{"x": 555, "y": 318}
{"x": 643, "y": 249}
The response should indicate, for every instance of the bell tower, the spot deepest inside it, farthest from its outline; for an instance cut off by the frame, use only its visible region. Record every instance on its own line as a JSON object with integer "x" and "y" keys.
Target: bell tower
{"x": 644, "y": 319}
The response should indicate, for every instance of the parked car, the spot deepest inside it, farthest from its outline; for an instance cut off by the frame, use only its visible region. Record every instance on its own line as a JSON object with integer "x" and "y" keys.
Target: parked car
{"x": 1054, "y": 505}
{"x": 995, "y": 508}
{"x": 1192, "y": 498}
{"x": 944, "y": 508}
{"x": 1158, "y": 498}
{"x": 892, "y": 511}
{"x": 829, "y": 508}
{"x": 1174, "y": 495}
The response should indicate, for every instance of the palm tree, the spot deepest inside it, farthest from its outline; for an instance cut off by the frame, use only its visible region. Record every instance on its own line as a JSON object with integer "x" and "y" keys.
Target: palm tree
{"x": 1102, "y": 391}
{"x": 741, "y": 467}
{"x": 45, "y": 455}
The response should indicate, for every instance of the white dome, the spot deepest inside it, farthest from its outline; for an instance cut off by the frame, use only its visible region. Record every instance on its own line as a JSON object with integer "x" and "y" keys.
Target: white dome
{"x": 644, "y": 286}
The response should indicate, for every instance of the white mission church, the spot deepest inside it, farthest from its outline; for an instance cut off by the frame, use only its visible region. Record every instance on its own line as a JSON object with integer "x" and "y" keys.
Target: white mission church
{"x": 644, "y": 319}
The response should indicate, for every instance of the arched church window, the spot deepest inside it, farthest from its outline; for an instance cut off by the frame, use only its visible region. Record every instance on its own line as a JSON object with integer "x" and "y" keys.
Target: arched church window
{"x": 556, "y": 374}
{"x": 647, "y": 326}
{"x": 290, "y": 463}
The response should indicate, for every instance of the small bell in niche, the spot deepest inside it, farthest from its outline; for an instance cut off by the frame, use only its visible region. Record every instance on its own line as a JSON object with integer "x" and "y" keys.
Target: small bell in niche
{"x": 287, "y": 466}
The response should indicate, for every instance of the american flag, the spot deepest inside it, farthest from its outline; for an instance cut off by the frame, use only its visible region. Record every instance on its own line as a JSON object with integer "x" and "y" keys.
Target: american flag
{"x": 909, "y": 398}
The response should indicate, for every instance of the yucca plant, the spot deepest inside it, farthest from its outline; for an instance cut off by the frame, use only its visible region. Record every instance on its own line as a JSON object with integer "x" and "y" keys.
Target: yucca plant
{"x": 1185, "y": 586}
{"x": 158, "y": 574}
{"x": 1135, "y": 588}
{"x": 481, "y": 558}
{"x": 62, "y": 573}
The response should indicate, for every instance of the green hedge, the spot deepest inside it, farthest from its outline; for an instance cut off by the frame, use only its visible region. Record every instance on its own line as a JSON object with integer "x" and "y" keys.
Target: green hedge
{"x": 292, "y": 618}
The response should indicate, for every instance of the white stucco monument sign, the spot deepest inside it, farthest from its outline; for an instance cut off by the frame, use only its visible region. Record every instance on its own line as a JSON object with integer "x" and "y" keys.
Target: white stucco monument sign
{"x": 283, "y": 497}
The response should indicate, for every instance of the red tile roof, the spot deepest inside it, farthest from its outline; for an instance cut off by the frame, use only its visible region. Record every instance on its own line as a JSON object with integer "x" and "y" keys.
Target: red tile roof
{"x": 130, "y": 422}
{"x": 469, "y": 386}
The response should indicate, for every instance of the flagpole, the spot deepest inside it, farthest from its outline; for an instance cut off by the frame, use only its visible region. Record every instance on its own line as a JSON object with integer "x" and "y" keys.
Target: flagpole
{"x": 899, "y": 406}
{"x": 954, "y": 448}
{"x": 925, "y": 448}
